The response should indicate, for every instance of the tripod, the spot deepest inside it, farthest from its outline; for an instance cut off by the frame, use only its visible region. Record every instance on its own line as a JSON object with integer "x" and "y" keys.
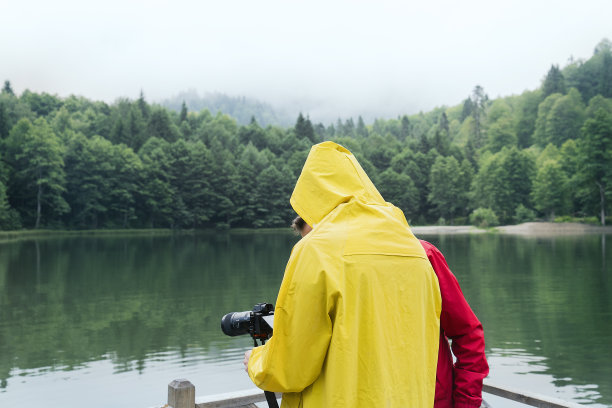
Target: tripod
{"x": 270, "y": 396}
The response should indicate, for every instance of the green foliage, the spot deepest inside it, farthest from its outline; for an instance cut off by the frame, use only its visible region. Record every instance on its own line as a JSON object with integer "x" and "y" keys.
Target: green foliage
{"x": 400, "y": 190}
{"x": 564, "y": 119}
{"x": 446, "y": 189}
{"x": 501, "y": 134}
{"x": 540, "y": 134}
{"x": 550, "y": 189}
{"x": 9, "y": 219}
{"x": 484, "y": 218}
{"x": 523, "y": 214}
{"x": 37, "y": 172}
{"x": 595, "y": 158}
{"x": 503, "y": 182}
{"x": 527, "y": 110}
{"x": 594, "y": 76}
{"x": 71, "y": 162}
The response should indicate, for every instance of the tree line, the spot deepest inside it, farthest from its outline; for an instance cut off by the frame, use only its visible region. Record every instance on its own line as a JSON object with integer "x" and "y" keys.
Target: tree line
{"x": 76, "y": 163}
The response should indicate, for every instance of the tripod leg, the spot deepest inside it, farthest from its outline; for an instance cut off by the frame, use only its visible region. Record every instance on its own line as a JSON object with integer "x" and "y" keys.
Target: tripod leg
{"x": 271, "y": 398}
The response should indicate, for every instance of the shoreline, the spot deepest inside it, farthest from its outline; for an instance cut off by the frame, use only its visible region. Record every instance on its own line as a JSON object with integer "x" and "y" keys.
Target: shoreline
{"x": 531, "y": 229}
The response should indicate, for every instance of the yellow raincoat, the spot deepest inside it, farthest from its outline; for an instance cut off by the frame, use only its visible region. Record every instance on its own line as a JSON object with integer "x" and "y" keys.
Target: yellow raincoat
{"x": 357, "y": 318}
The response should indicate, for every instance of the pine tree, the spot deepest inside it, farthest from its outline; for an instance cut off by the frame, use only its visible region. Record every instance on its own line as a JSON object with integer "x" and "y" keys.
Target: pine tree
{"x": 183, "y": 114}
{"x": 362, "y": 130}
{"x": 303, "y": 129}
{"x": 554, "y": 82}
{"x": 404, "y": 128}
{"x": 7, "y": 89}
{"x": 5, "y": 126}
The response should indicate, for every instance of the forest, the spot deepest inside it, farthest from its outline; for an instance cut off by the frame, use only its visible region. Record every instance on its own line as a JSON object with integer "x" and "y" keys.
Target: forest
{"x": 74, "y": 163}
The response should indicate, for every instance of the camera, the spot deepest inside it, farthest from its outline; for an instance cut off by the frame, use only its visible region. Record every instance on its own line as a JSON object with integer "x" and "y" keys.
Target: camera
{"x": 257, "y": 322}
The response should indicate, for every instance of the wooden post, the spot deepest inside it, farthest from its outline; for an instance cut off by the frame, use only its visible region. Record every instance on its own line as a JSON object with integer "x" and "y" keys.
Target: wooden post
{"x": 181, "y": 394}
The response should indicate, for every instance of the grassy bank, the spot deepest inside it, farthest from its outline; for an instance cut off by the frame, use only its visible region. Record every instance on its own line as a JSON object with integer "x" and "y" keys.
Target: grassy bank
{"x": 33, "y": 234}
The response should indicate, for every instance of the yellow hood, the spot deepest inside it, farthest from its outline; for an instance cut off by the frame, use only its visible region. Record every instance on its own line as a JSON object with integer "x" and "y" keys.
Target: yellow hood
{"x": 331, "y": 176}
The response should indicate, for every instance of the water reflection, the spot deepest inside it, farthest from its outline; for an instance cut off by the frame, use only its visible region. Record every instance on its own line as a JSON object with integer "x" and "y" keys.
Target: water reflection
{"x": 132, "y": 313}
{"x": 547, "y": 296}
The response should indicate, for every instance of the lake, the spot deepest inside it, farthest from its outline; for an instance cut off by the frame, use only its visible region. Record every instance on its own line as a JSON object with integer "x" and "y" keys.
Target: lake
{"x": 111, "y": 320}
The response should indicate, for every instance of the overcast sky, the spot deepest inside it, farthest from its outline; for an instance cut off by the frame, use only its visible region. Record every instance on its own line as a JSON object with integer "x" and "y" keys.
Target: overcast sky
{"x": 327, "y": 57}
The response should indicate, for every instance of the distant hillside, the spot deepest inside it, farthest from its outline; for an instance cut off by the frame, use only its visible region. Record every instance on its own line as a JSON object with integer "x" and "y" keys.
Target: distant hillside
{"x": 239, "y": 107}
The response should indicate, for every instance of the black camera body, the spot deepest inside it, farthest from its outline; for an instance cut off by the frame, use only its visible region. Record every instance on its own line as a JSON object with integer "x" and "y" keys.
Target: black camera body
{"x": 251, "y": 322}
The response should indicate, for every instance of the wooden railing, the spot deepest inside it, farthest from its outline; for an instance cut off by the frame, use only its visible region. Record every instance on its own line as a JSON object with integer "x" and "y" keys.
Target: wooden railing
{"x": 181, "y": 394}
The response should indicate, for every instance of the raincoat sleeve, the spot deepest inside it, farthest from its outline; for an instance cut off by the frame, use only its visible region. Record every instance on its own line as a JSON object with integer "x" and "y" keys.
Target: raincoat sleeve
{"x": 461, "y": 325}
{"x": 292, "y": 359}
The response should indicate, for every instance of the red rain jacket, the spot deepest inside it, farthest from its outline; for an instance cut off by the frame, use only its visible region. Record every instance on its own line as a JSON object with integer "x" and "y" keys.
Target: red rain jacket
{"x": 458, "y": 385}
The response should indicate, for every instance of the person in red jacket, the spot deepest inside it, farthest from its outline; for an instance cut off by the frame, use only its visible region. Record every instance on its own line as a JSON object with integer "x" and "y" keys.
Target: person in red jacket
{"x": 458, "y": 385}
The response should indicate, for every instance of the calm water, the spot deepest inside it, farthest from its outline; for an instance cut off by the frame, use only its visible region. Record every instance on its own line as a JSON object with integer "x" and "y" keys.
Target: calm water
{"x": 112, "y": 320}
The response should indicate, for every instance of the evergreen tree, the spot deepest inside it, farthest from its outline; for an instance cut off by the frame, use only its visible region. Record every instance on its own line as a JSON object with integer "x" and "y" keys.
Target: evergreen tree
{"x": 7, "y": 88}
{"x": 554, "y": 82}
{"x": 468, "y": 107}
{"x": 541, "y": 133}
{"x": 145, "y": 110}
{"x": 303, "y": 129}
{"x": 272, "y": 192}
{"x": 120, "y": 133}
{"x": 595, "y": 150}
{"x": 517, "y": 174}
{"x": 441, "y": 140}
{"x": 362, "y": 130}
{"x": 126, "y": 181}
{"x": 349, "y": 128}
{"x": 157, "y": 191}
{"x": 5, "y": 126}
{"x": 161, "y": 126}
{"x": 199, "y": 181}
{"x": 254, "y": 134}
{"x": 183, "y": 114}
{"x": 136, "y": 128}
{"x": 405, "y": 128}
{"x": 445, "y": 187}
{"x": 88, "y": 178}
{"x": 475, "y": 108}
{"x": 466, "y": 175}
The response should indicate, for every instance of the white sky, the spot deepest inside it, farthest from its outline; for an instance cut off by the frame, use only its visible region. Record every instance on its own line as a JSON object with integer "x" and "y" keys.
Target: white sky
{"x": 329, "y": 58}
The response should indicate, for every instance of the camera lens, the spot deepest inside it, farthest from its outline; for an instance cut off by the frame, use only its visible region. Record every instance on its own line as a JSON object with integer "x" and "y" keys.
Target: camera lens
{"x": 236, "y": 323}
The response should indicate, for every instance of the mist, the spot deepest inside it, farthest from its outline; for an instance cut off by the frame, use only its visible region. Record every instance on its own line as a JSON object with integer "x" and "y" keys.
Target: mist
{"x": 325, "y": 59}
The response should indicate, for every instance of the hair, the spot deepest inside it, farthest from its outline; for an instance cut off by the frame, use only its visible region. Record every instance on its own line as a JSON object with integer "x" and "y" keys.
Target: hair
{"x": 298, "y": 224}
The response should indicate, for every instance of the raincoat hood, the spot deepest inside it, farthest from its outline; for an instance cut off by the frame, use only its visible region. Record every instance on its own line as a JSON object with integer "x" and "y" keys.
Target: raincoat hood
{"x": 331, "y": 176}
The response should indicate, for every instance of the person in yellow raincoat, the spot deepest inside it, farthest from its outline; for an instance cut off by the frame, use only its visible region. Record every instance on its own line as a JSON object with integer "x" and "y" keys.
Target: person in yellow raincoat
{"x": 357, "y": 317}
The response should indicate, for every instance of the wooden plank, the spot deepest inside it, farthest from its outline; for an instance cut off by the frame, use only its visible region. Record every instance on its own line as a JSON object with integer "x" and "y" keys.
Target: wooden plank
{"x": 528, "y": 398}
{"x": 248, "y": 398}
{"x": 233, "y": 399}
